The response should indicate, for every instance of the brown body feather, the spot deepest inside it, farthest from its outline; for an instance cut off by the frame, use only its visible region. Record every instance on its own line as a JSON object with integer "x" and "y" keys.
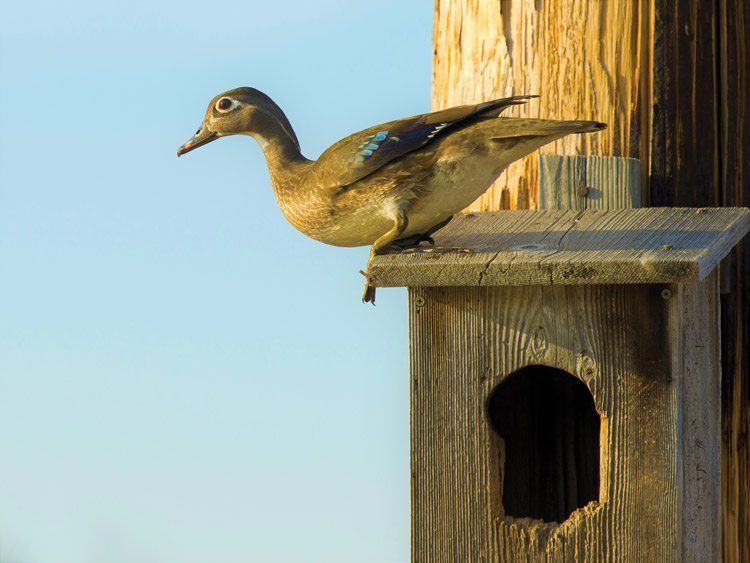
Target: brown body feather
{"x": 429, "y": 184}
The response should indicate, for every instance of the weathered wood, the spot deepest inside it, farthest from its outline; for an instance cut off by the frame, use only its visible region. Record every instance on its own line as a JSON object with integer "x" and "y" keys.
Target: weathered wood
{"x": 588, "y": 182}
{"x": 701, "y": 135}
{"x": 672, "y": 79}
{"x": 586, "y": 59}
{"x": 734, "y": 131}
{"x": 650, "y": 245}
{"x": 684, "y": 167}
{"x": 693, "y": 325}
{"x": 656, "y": 462}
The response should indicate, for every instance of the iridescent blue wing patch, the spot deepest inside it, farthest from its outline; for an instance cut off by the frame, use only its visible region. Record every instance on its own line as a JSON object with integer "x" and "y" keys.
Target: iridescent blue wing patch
{"x": 412, "y": 133}
{"x": 368, "y": 147}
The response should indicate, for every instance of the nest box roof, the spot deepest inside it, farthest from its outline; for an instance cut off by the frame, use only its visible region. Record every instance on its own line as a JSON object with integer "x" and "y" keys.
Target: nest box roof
{"x": 624, "y": 246}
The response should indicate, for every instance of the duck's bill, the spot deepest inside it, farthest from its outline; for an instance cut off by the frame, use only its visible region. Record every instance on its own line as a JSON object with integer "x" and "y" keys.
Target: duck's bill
{"x": 201, "y": 137}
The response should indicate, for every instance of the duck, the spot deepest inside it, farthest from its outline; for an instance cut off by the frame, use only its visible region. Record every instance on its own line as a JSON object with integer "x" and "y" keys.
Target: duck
{"x": 390, "y": 185}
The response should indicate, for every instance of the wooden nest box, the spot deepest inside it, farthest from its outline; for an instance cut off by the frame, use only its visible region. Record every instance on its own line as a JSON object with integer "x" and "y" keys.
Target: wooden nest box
{"x": 565, "y": 384}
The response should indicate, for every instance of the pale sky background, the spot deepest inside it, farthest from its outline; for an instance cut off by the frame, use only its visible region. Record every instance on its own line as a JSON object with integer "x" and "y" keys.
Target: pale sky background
{"x": 184, "y": 377}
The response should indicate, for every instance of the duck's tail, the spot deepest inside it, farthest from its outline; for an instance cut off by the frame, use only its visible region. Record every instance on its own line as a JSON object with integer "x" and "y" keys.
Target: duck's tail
{"x": 514, "y": 138}
{"x": 509, "y": 127}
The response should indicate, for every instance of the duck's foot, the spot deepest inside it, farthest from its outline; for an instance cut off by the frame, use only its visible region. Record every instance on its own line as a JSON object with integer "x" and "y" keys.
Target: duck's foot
{"x": 414, "y": 240}
{"x": 438, "y": 250}
{"x": 369, "y": 294}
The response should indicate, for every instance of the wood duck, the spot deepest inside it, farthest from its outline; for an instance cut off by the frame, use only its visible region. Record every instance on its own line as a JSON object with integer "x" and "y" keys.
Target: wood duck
{"x": 398, "y": 182}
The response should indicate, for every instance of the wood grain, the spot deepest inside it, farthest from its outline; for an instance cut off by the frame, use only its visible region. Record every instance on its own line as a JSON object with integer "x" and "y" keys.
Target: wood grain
{"x": 734, "y": 131}
{"x": 684, "y": 166}
{"x": 588, "y": 182}
{"x": 693, "y": 322}
{"x": 565, "y": 247}
{"x": 586, "y": 59}
{"x": 615, "y": 339}
{"x": 671, "y": 78}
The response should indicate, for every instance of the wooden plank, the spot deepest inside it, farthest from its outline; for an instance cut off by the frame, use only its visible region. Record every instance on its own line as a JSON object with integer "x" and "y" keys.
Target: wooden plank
{"x": 588, "y": 182}
{"x": 465, "y": 341}
{"x": 693, "y": 326}
{"x": 650, "y": 245}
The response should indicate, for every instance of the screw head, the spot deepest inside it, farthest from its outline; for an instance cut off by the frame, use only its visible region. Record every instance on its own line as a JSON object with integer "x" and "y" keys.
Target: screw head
{"x": 666, "y": 293}
{"x": 419, "y": 301}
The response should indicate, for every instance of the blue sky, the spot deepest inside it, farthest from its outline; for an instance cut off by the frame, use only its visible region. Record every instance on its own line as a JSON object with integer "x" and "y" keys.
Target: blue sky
{"x": 183, "y": 376}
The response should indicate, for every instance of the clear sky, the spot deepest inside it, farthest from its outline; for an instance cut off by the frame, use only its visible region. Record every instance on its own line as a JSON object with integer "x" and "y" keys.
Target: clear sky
{"x": 184, "y": 377}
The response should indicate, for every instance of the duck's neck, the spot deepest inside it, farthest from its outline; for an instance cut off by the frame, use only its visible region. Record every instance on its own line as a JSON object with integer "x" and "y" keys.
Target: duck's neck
{"x": 286, "y": 164}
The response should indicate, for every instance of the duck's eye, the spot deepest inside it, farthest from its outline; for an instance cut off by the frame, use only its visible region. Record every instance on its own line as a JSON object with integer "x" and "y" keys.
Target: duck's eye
{"x": 224, "y": 104}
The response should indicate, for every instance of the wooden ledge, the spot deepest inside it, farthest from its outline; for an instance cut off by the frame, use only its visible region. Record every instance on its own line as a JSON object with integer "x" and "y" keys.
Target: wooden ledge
{"x": 623, "y": 246}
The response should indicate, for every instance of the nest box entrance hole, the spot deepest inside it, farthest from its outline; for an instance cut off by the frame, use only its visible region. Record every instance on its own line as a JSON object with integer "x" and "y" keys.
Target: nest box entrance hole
{"x": 550, "y": 430}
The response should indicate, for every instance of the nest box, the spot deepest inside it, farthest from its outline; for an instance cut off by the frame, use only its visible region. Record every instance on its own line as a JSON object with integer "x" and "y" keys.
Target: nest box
{"x": 565, "y": 384}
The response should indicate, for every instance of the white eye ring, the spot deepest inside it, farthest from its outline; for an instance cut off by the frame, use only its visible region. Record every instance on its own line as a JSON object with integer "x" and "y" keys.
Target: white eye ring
{"x": 225, "y": 104}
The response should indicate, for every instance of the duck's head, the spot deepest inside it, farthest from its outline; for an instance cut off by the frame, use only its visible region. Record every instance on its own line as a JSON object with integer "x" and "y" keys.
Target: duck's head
{"x": 242, "y": 111}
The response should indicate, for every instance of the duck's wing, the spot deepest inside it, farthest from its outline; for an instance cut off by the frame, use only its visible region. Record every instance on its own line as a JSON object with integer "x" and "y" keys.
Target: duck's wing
{"x": 363, "y": 153}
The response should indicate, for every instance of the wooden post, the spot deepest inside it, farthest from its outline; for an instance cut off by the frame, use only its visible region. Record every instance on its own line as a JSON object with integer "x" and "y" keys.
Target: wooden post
{"x": 734, "y": 189}
{"x": 672, "y": 80}
{"x": 584, "y": 58}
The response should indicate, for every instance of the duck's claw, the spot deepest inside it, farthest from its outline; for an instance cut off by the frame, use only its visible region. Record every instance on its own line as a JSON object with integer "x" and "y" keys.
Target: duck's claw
{"x": 369, "y": 294}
